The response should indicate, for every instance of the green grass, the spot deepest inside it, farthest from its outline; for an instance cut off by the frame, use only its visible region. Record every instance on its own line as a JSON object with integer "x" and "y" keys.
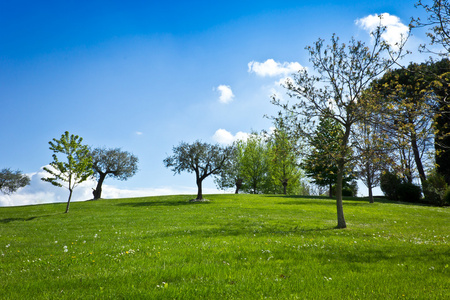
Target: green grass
{"x": 233, "y": 247}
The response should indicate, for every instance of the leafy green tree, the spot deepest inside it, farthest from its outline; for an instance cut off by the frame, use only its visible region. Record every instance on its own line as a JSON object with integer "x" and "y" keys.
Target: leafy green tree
{"x": 254, "y": 162}
{"x": 407, "y": 111}
{"x": 203, "y": 159}
{"x": 11, "y": 181}
{"x": 344, "y": 72}
{"x": 77, "y": 164}
{"x": 321, "y": 163}
{"x": 112, "y": 163}
{"x": 231, "y": 175}
{"x": 283, "y": 161}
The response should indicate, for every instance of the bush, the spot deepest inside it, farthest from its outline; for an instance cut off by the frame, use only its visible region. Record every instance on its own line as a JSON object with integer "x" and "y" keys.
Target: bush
{"x": 409, "y": 192}
{"x": 389, "y": 184}
{"x": 436, "y": 188}
{"x": 446, "y": 198}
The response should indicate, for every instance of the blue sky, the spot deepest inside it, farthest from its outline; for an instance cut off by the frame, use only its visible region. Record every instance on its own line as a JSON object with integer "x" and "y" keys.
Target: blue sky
{"x": 145, "y": 75}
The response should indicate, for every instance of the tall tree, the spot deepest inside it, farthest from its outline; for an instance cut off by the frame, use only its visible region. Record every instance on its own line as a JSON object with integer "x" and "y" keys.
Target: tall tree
{"x": 344, "y": 71}
{"x": 407, "y": 110}
{"x": 201, "y": 158}
{"x": 112, "y": 163}
{"x": 11, "y": 181}
{"x": 77, "y": 166}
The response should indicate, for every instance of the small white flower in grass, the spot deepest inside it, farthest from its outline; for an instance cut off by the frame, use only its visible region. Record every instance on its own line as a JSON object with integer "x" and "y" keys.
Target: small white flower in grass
{"x": 65, "y": 249}
{"x": 7, "y": 246}
{"x": 56, "y": 242}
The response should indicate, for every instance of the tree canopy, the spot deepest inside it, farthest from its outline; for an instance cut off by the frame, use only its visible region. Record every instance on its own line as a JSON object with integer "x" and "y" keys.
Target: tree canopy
{"x": 112, "y": 162}
{"x": 200, "y": 158}
{"x": 11, "y": 181}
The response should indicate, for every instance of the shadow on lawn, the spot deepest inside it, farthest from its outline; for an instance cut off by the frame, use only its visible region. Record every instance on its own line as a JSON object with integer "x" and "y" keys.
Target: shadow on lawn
{"x": 9, "y": 220}
{"x": 162, "y": 203}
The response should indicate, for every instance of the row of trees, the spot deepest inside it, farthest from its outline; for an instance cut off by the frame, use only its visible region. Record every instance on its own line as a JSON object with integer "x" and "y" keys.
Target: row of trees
{"x": 73, "y": 163}
{"x": 360, "y": 107}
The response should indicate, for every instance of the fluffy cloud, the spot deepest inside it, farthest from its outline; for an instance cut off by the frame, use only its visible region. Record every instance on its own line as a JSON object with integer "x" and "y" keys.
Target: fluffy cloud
{"x": 395, "y": 29}
{"x": 40, "y": 192}
{"x": 272, "y": 68}
{"x": 226, "y": 94}
{"x": 223, "y": 136}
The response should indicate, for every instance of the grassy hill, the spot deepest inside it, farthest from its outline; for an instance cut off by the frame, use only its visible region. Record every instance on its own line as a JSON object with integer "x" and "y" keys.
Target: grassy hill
{"x": 233, "y": 247}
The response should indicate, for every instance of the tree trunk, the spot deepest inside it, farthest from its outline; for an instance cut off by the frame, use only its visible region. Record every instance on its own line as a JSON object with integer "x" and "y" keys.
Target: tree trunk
{"x": 285, "y": 183}
{"x": 339, "y": 203}
{"x": 199, "y": 189}
{"x": 330, "y": 191}
{"x": 98, "y": 190}
{"x": 238, "y": 185}
{"x": 68, "y": 201}
{"x": 418, "y": 161}
{"x": 370, "y": 195}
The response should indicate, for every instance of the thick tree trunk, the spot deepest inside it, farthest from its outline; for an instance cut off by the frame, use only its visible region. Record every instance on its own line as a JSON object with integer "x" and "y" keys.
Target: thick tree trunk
{"x": 370, "y": 195}
{"x": 68, "y": 201}
{"x": 199, "y": 189}
{"x": 238, "y": 185}
{"x": 98, "y": 190}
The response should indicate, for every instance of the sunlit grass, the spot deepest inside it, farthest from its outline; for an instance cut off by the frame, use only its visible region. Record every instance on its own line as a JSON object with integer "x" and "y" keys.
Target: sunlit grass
{"x": 233, "y": 247}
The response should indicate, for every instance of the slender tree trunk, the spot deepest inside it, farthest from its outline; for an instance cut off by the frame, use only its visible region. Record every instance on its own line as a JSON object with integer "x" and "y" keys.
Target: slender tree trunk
{"x": 68, "y": 201}
{"x": 98, "y": 190}
{"x": 369, "y": 183}
{"x": 330, "y": 191}
{"x": 339, "y": 203}
{"x": 285, "y": 183}
{"x": 418, "y": 161}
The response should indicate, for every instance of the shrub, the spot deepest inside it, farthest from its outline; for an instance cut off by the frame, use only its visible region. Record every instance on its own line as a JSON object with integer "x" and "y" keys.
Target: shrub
{"x": 446, "y": 198}
{"x": 409, "y": 192}
{"x": 389, "y": 184}
{"x": 436, "y": 189}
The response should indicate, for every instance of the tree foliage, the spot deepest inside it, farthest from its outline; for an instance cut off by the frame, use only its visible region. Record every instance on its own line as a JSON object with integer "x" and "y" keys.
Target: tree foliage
{"x": 11, "y": 181}
{"x": 76, "y": 166}
{"x": 320, "y": 163}
{"x": 438, "y": 22}
{"x": 283, "y": 161}
{"x": 114, "y": 163}
{"x": 403, "y": 101}
{"x": 200, "y": 158}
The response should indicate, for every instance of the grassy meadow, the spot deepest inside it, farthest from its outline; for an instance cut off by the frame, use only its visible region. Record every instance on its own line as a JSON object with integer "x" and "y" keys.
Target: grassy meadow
{"x": 232, "y": 247}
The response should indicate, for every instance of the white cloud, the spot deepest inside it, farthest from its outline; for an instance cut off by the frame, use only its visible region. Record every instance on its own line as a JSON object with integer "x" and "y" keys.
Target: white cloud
{"x": 272, "y": 68}
{"x": 223, "y": 136}
{"x": 139, "y": 133}
{"x": 226, "y": 94}
{"x": 40, "y": 192}
{"x": 395, "y": 29}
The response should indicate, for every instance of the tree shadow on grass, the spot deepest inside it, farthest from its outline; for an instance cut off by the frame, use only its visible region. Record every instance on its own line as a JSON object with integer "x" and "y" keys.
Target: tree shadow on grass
{"x": 163, "y": 203}
{"x": 9, "y": 220}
